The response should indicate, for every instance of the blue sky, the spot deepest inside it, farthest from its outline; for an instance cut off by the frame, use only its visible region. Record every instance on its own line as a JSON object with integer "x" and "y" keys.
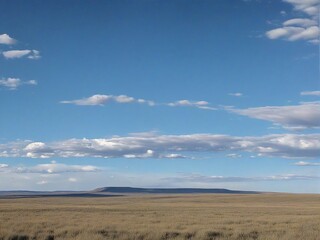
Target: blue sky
{"x": 154, "y": 93}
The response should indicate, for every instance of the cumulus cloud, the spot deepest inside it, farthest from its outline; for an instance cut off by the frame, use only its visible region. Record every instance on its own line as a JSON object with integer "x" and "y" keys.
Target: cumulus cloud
{"x": 299, "y": 28}
{"x": 310, "y": 93}
{"x": 31, "y": 54}
{"x": 6, "y": 39}
{"x": 188, "y": 103}
{"x": 174, "y": 146}
{"x": 211, "y": 179}
{"x": 302, "y": 163}
{"x": 100, "y": 100}
{"x": 296, "y": 117}
{"x": 14, "y": 83}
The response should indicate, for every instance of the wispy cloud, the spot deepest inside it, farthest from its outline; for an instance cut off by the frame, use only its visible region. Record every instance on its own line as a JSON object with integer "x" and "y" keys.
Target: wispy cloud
{"x": 100, "y": 100}
{"x": 161, "y": 146}
{"x": 296, "y": 117}
{"x": 299, "y": 28}
{"x": 234, "y": 155}
{"x": 2, "y": 165}
{"x": 14, "y": 83}
{"x": 310, "y": 93}
{"x": 49, "y": 168}
{"x": 6, "y": 39}
{"x": 211, "y": 179}
{"x": 302, "y": 163}
{"x": 187, "y": 103}
{"x": 31, "y": 54}
{"x": 237, "y": 94}
{"x": 54, "y": 168}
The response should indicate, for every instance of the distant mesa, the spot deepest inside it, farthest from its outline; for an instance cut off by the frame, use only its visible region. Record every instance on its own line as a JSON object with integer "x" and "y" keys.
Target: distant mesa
{"x": 130, "y": 190}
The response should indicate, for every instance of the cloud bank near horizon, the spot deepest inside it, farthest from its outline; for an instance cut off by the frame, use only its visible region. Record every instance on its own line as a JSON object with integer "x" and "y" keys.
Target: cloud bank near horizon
{"x": 168, "y": 146}
{"x": 48, "y": 175}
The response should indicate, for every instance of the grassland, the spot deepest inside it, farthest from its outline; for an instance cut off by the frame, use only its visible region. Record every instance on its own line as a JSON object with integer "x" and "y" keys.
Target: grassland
{"x": 161, "y": 217}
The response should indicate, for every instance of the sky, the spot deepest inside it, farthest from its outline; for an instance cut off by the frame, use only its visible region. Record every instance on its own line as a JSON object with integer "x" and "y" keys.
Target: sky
{"x": 160, "y": 93}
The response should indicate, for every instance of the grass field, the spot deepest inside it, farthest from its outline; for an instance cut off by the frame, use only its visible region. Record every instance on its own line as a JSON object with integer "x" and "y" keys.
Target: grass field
{"x": 238, "y": 217}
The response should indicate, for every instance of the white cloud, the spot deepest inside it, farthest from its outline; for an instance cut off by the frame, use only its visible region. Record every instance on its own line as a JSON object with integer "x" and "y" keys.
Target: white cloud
{"x": 93, "y": 100}
{"x": 234, "y": 155}
{"x": 236, "y": 94}
{"x": 304, "y": 22}
{"x": 42, "y": 182}
{"x": 14, "y": 83}
{"x": 35, "y": 55}
{"x": 310, "y": 93}
{"x": 173, "y": 155}
{"x": 31, "y": 54}
{"x": 6, "y": 39}
{"x": 302, "y": 163}
{"x": 2, "y": 165}
{"x": 299, "y": 28}
{"x": 100, "y": 100}
{"x": 160, "y": 146}
{"x": 188, "y": 103}
{"x": 123, "y": 99}
{"x": 15, "y": 53}
{"x": 296, "y": 117}
{"x": 309, "y": 7}
{"x": 71, "y": 179}
{"x": 295, "y": 33}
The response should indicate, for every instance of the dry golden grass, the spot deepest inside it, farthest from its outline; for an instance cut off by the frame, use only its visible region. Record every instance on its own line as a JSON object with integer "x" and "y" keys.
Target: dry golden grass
{"x": 153, "y": 217}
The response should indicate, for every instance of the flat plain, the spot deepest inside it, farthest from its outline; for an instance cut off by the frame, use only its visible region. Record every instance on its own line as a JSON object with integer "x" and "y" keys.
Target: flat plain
{"x": 264, "y": 216}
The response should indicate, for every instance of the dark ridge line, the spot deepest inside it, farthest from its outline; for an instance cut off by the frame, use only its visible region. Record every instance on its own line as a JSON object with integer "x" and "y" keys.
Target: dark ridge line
{"x": 169, "y": 190}
{"x": 119, "y": 191}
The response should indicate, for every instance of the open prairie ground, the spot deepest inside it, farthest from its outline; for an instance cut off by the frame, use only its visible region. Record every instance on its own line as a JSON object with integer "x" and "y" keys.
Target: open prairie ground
{"x": 160, "y": 217}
